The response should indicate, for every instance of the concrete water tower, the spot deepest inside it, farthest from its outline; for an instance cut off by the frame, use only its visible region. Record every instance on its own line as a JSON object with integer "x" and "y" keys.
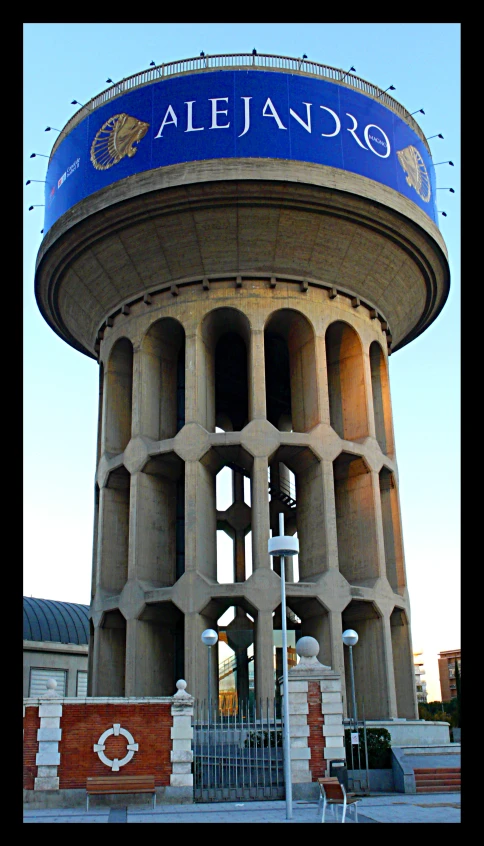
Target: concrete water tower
{"x": 240, "y": 242}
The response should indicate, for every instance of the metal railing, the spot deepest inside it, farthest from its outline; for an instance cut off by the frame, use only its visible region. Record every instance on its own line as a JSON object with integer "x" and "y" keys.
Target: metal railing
{"x": 238, "y": 756}
{"x": 236, "y": 60}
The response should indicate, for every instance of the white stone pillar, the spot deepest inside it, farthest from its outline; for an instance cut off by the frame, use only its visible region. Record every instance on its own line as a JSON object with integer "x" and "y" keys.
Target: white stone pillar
{"x": 331, "y": 740}
{"x": 49, "y": 735}
{"x": 182, "y": 738}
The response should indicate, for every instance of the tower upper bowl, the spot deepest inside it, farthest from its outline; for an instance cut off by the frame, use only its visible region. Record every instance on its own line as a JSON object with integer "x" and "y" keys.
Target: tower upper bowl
{"x": 229, "y": 131}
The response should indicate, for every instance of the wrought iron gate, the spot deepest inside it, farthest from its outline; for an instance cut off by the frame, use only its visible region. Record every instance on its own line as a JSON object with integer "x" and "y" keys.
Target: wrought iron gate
{"x": 237, "y": 754}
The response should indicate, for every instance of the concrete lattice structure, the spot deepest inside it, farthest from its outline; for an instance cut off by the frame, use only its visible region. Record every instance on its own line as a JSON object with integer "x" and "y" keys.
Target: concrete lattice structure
{"x": 261, "y": 297}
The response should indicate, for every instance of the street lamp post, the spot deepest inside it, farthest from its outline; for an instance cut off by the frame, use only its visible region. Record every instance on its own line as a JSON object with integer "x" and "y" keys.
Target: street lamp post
{"x": 281, "y": 546}
{"x": 209, "y": 638}
{"x": 350, "y": 639}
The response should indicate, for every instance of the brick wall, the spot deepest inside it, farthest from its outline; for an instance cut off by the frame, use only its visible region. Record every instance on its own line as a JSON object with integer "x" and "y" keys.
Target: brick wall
{"x": 31, "y": 725}
{"x": 82, "y": 726}
{"x": 316, "y": 740}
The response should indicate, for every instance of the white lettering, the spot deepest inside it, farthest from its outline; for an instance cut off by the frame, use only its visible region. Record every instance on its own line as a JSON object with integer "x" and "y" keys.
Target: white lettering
{"x": 215, "y": 112}
{"x": 352, "y": 130}
{"x": 165, "y": 121}
{"x": 190, "y": 127}
{"x": 273, "y": 113}
{"x": 307, "y": 126}
{"x": 246, "y": 115}
{"x": 378, "y": 141}
{"x": 336, "y": 120}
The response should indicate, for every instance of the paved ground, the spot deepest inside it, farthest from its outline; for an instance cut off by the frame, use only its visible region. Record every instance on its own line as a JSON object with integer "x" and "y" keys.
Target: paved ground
{"x": 394, "y": 808}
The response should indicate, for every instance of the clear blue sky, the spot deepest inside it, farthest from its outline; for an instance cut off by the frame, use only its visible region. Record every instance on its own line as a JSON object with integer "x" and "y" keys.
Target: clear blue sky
{"x": 63, "y": 62}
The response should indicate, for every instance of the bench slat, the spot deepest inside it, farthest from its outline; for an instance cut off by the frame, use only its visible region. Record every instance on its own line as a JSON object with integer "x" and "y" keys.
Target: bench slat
{"x": 120, "y": 784}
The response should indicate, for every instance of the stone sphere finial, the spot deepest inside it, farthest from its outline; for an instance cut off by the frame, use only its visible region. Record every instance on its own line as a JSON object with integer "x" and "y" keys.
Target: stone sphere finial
{"x": 181, "y": 692}
{"x": 307, "y": 647}
{"x": 51, "y": 691}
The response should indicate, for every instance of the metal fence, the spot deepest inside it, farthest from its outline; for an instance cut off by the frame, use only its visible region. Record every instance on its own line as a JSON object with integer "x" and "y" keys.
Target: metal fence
{"x": 234, "y": 60}
{"x": 238, "y": 755}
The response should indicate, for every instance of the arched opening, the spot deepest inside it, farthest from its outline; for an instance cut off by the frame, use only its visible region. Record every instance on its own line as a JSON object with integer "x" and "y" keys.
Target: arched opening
{"x": 392, "y": 535}
{"x": 224, "y": 400}
{"x": 381, "y": 399}
{"x": 110, "y": 670}
{"x": 119, "y": 389}
{"x": 403, "y": 665}
{"x": 355, "y": 520}
{"x": 371, "y": 688}
{"x": 236, "y": 660}
{"x": 231, "y": 467}
{"x": 163, "y": 380}
{"x": 114, "y": 519}
{"x": 346, "y": 382}
{"x": 160, "y": 525}
{"x": 297, "y": 491}
{"x": 290, "y": 370}
{"x": 160, "y": 648}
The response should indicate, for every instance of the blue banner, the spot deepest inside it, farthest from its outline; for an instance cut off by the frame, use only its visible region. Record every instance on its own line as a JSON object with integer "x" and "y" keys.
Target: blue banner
{"x": 238, "y": 114}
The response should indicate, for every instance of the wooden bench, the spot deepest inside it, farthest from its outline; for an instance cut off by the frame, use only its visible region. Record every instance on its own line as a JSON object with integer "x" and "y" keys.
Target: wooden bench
{"x": 102, "y": 785}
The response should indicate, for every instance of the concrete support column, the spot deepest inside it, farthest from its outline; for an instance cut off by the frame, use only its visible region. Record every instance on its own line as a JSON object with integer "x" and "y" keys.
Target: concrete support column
{"x": 329, "y": 515}
{"x": 379, "y": 536}
{"x": 260, "y": 515}
{"x": 337, "y": 648}
{"x": 264, "y": 660}
{"x": 94, "y": 678}
{"x": 239, "y": 555}
{"x": 137, "y": 393}
{"x": 389, "y": 668}
{"x": 369, "y": 394}
{"x": 257, "y": 376}
{"x": 322, "y": 371}
{"x": 196, "y": 657}
{"x": 200, "y": 521}
{"x": 195, "y": 366}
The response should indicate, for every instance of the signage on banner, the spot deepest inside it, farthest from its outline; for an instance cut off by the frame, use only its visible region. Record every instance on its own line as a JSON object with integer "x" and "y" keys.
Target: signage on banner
{"x": 238, "y": 114}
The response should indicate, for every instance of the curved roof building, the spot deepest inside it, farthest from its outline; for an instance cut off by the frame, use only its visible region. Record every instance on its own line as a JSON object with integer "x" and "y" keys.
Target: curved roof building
{"x": 61, "y": 622}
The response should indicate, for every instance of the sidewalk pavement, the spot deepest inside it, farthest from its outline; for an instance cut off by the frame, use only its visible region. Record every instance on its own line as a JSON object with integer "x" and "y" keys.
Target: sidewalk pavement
{"x": 379, "y": 808}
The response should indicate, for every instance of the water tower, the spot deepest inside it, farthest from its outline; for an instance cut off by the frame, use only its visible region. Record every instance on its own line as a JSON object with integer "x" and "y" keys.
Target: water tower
{"x": 240, "y": 242}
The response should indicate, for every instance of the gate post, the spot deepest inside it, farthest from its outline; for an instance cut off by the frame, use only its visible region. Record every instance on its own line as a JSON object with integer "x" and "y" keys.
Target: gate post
{"x": 181, "y": 755}
{"x": 315, "y": 719}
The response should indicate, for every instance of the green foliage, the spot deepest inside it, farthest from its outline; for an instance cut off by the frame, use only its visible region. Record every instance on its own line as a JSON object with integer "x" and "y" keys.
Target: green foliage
{"x": 261, "y": 738}
{"x": 379, "y": 749}
{"x": 444, "y": 712}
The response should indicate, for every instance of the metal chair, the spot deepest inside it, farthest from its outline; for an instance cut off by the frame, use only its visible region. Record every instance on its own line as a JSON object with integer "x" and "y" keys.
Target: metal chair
{"x": 333, "y": 793}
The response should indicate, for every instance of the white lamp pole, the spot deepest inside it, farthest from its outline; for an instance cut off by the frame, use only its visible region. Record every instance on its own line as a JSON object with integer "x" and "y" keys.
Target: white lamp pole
{"x": 350, "y": 639}
{"x": 209, "y": 638}
{"x": 281, "y": 546}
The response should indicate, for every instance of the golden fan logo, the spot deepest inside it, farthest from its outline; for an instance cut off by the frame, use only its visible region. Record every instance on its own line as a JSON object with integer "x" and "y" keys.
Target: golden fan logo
{"x": 116, "y": 139}
{"x": 417, "y": 176}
